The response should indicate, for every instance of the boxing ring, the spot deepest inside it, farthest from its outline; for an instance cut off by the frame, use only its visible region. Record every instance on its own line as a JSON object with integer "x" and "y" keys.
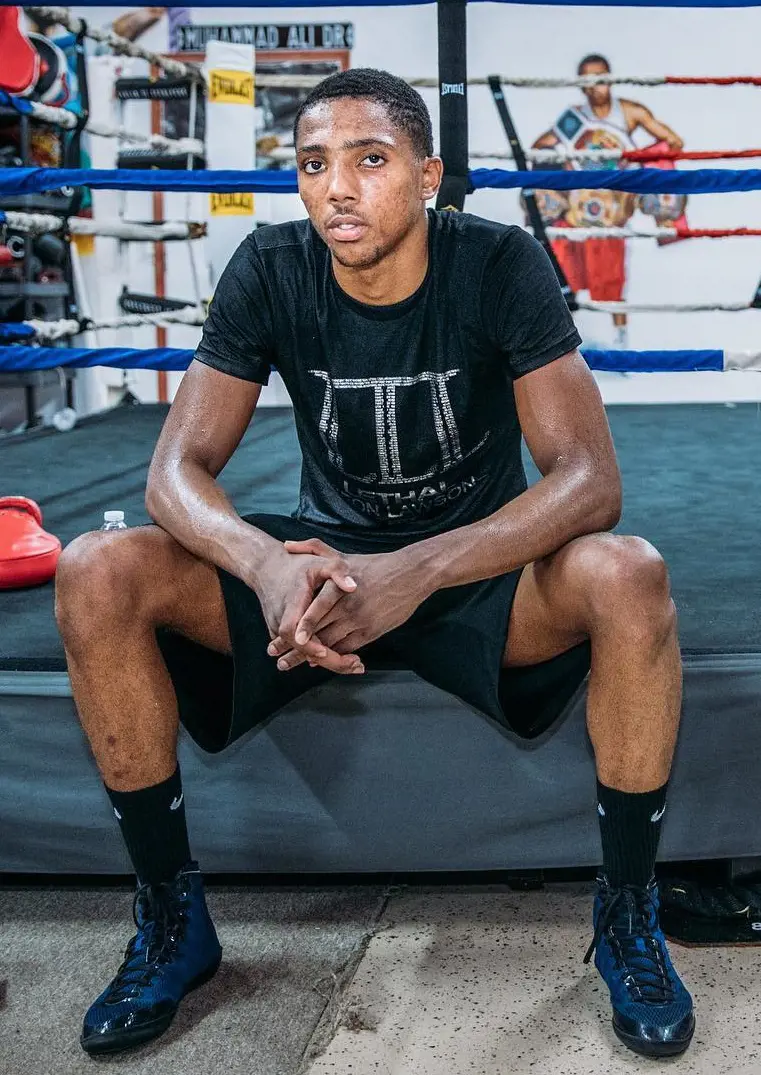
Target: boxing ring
{"x": 389, "y": 773}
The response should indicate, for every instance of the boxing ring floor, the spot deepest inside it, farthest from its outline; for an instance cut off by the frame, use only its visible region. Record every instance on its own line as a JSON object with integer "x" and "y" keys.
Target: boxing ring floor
{"x": 390, "y": 773}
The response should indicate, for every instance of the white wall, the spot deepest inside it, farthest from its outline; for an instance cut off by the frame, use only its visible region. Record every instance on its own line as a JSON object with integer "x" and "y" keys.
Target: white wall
{"x": 548, "y": 41}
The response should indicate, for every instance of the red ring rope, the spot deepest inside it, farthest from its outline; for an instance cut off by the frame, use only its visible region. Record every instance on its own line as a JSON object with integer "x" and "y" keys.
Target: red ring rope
{"x": 734, "y": 80}
{"x": 713, "y": 233}
{"x": 650, "y": 154}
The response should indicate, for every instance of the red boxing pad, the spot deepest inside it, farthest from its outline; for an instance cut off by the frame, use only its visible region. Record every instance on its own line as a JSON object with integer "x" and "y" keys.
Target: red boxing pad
{"x": 20, "y": 68}
{"x": 28, "y": 555}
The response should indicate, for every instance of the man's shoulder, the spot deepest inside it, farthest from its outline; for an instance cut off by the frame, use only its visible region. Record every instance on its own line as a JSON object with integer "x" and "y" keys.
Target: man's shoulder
{"x": 270, "y": 237}
{"x": 286, "y": 256}
{"x": 467, "y": 229}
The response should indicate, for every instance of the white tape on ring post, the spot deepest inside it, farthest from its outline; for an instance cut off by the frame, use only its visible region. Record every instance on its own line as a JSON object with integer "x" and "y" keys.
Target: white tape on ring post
{"x": 230, "y": 144}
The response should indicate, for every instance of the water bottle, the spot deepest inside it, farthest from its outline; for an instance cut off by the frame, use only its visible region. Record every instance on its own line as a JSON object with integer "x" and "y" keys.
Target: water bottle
{"x": 113, "y": 520}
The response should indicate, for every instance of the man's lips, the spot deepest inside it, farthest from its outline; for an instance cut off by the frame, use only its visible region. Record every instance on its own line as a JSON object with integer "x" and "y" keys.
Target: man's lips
{"x": 346, "y": 228}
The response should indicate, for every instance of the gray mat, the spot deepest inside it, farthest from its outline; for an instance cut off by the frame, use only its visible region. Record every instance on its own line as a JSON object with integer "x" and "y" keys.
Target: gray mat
{"x": 284, "y": 956}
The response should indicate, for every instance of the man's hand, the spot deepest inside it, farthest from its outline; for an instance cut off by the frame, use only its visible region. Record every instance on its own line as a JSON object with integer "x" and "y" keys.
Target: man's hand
{"x": 286, "y": 588}
{"x": 389, "y": 587}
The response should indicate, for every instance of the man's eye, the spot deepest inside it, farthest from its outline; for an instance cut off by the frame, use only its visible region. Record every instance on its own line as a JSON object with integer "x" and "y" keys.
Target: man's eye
{"x": 312, "y": 167}
{"x": 374, "y": 159}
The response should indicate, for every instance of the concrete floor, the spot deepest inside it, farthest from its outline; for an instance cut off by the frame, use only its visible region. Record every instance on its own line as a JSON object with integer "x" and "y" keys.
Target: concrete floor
{"x": 362, "y": 981}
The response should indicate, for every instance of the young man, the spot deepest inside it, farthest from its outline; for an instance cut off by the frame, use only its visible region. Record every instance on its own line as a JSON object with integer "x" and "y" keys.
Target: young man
{"x": 416, "y": 347}
{"x": 604, "y": 122}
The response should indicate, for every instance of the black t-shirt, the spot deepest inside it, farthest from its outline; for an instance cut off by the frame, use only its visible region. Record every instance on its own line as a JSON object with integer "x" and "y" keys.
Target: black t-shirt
{"x": 405, "y": 413}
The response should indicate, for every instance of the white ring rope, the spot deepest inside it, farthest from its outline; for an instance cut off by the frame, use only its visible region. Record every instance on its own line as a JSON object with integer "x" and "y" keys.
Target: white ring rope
{"x": 43, "y": 223}
{"x": 742, "y": 360}
{"x": 580, "y": 235}
{"x": 62, "y": 117}
{"x": 553, "y": 156}
{"x": 308, "y": 82}
{"x": 537, "y": 156}
{"x": 120, "y": 45}
{"x": 195, "y": 316}
{"x": 59, "y": 330}
{"x": 663, "y": 308}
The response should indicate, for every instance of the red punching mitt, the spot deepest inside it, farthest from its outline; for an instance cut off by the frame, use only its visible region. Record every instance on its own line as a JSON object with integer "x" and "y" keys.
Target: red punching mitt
{"x": 28, "y": 555}
{"x": 21, "y": 62}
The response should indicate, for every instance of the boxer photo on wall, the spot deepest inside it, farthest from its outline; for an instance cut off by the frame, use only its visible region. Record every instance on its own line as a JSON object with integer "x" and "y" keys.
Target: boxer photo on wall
{"x": 603, "y": 121}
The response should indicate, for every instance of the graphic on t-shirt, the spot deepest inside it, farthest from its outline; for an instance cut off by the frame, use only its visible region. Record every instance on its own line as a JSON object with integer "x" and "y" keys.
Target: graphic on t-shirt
{"x": 390, "y": 467}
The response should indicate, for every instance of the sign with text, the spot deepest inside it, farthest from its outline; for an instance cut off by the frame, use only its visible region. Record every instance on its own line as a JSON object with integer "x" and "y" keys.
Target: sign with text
{"x": 240, "y": 204}
{"x": 231, "y": 87}
{"x": 267, "y": 37}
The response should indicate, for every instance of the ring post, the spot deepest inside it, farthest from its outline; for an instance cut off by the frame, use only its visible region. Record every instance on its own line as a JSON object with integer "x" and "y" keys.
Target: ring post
{"x": 453, "y": 102}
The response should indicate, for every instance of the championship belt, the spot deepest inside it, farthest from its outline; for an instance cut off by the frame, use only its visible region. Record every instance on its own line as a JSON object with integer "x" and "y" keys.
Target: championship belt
{"x": 590, "y": 208}
{"x": 552, "y": 205}
{"x": 599, "y": 208}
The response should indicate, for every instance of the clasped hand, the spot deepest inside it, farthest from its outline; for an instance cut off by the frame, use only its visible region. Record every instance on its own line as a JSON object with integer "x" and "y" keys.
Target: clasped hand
{"x": 362, "y": 598}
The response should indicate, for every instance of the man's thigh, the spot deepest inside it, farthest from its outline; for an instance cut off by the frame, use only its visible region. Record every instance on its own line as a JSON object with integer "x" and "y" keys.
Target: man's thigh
{"x": 547, "y": 614}
{"x": 174, "y": 588}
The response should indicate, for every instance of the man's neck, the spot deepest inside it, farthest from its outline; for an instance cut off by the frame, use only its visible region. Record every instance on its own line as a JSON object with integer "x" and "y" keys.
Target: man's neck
{"x": 603, "y": 110}
{"x": 395, "y": 278}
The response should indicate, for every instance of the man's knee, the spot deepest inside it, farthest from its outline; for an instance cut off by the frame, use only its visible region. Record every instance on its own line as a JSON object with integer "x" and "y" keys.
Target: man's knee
{"x": 100, "y": 575}
{"x": 626, "y": 580}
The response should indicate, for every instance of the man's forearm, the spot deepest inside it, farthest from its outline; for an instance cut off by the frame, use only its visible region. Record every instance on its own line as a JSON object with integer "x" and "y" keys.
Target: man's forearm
{"x": 561, "y": 506}
{"x": 191, "y": 506}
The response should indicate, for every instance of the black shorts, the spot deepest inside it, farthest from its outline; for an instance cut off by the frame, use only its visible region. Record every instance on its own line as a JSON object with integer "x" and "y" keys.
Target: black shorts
{"x": 455, "y": 640}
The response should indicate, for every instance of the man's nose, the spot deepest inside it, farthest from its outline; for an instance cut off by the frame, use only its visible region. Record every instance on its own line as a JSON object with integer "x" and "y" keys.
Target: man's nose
{"x": 342, "y": 182}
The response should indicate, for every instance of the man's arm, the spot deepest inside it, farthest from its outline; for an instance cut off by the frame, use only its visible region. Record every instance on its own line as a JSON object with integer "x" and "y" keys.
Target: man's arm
{"x": 637, "y": 115}
{"x": 548, "y": 140}
{"x": 567, "y": 433}
{"x": 208, "y": 418}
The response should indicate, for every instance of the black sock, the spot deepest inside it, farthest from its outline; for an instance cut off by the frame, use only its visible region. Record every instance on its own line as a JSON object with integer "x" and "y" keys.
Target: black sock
{"x": 630, "y": 826}
{"x": 152, "y": 821}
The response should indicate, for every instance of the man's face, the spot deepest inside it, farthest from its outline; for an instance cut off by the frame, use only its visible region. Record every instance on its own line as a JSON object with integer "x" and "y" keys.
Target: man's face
{"x": 360, "y": 180}
{"x": 600, "y": 93}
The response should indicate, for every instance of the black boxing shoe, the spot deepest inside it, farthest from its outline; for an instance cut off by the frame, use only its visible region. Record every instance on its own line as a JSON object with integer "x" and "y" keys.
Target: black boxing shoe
{"x": 174, "y": 950}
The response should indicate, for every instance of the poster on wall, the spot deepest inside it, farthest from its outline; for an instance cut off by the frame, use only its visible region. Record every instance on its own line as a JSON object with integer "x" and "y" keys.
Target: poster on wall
{"x": 292, "y": 49}
{"x": 604, "y": 121}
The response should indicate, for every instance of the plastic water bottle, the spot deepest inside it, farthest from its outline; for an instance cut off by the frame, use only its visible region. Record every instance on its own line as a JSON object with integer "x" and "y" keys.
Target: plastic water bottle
{"x": 113, "y": 520}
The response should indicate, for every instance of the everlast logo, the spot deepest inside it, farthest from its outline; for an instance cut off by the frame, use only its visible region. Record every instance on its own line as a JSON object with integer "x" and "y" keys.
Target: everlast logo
{"x": 231, "y": 203}
{"x": 452, "y": 87}
{"x": 224, "y": 86}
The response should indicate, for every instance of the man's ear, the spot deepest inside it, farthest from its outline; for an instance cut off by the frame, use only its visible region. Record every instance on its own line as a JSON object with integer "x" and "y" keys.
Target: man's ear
{"x": 433, "y": 173}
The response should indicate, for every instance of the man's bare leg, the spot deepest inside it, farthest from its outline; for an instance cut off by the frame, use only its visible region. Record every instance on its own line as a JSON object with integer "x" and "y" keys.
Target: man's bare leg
{"x": 621, "y": 323}
{"x": 112, "y": 591}
{"x": 614, "y": 591}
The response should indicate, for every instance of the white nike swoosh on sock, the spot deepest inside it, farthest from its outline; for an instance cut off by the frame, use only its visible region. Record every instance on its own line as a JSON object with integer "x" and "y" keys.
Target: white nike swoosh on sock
{"x": 177, "y": 803}
{"x": 658, "y": 814}
{"x": 118, "y": 815}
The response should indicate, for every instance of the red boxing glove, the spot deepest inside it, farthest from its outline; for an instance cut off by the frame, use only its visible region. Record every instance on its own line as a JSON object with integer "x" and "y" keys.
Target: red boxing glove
{"x": 28, "y": 554}
{"x": 21, "y": 61}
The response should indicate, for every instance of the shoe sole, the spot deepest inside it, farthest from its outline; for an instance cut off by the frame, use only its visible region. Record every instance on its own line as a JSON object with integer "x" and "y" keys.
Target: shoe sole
{"x": 121, "y": 1041}
{"x": 654, "y": 1048}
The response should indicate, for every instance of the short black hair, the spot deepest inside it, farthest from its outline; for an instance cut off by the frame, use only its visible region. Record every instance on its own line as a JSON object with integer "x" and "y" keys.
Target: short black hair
{"x": 406, "y": 108}
{"x": 593, "y": 57}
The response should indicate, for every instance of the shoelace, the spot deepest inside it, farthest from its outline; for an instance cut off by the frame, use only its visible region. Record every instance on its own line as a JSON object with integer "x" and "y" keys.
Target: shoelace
{"x": 165, "y": 928}
{"x": 634, "y": 946}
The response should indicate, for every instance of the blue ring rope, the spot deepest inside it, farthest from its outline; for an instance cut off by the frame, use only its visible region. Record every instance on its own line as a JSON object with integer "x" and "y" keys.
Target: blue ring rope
{"x": 405, "y": 3}
{"x": 15, "y": 359}
{"x": 14, "y": 181}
